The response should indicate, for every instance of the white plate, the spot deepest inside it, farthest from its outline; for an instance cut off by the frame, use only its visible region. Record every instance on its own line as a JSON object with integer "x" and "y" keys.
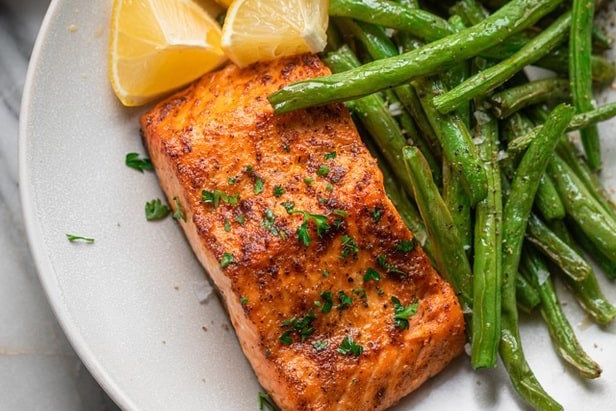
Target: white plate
{"x": 129, "y": 303}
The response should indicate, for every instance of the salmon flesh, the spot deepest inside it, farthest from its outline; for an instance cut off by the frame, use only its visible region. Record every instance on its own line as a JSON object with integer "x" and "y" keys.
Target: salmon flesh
{"x": 334, "y": 304}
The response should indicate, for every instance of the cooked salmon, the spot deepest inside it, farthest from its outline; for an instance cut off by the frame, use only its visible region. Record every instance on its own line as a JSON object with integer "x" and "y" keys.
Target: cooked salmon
{"x": 334, "y": 304}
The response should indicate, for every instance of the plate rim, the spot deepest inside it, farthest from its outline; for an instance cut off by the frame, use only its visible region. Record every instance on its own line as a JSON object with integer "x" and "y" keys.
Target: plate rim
{"x": 42, "y": 262}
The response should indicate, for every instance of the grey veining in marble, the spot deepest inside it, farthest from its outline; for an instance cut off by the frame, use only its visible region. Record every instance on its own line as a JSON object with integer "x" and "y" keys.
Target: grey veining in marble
{"x": 38, "y": 368}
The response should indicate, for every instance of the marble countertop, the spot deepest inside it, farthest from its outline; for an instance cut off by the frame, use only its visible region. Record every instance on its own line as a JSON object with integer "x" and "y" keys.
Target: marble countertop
{"x": 38, "y": 368}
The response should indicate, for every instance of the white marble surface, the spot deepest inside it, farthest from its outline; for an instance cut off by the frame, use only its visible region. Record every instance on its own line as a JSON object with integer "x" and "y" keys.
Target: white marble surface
{"x": 38, "y": 368}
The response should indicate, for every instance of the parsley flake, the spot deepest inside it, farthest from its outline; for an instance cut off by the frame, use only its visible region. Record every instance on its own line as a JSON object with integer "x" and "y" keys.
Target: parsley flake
{"x": 382, "y": 260}
{"x": 265, "y": 402}
{"x": 227, "y": 225}
{"x": 323, "y": 171}
{"x": 240, "y": 219}
{"x": 232, "y": 180}
{"x": 328, "y": 301}
{"x": 226, "y": 260}
{"x": 325, "y": 273}
{"x": 216, "y": 196}
{"x": 341, "y": 213}
{"x": 243, "y": 300}
{"x": 406, "y": 246}
{"x": 331, "y": 155}
{"x": 178, "y": 214}
{"x": 377, "y": 214}
{"x": 349, "y": 347}
{"x": 79, "y": 238}
{"x": 320, "y": 345}
{"x": 402, "y": 313}
{"x": 349, "y": 247}
{"x": 156, "y": 210}
{"x": 258, "y": 185}
{"x": 371, "y": 275}
{"x": 308, "y": 180}
{"x": 133, "y": 160}
{"x": 279, "y": 191}
{"x": 289, "y": 206}
{"x": 345, "y": 301}
{"x": 301, "y": 326}
{"x": 268, "y": 222}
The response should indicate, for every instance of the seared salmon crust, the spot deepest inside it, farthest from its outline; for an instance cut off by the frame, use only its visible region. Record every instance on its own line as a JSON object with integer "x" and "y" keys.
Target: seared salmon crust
{"x": 333, "y": 303}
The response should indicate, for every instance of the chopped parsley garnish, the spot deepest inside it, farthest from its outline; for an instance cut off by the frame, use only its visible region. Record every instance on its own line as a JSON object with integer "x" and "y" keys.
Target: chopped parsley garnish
{"x": 240, "y": 219}
{"x": 156, "y": 210}
{"x": 406, "y": 246}
{"x": 279, "y": 191}
{"x": 349, "y": 246}
{"x": 341, "y": 213}
{"x": 349, "y": 347}
{"x": 323, "y": 200}
{"x": 337, "y": 222}
{"x": 377, "y": 214}
{"x": 361, "y": 293}
{"x": 320, "y": 345}
{"x": 329, "y": 187}
{"x": 232, "y": 180}
{"x": 243, "y": 300}
{"x": 345, "y": 301}
{"x": 265, "y": 402}
{"x": 323, "y": 171}
{"x": 289, "y": 206}
{"x": 248, "y": 169}
{"x": 308, "y": 180}
{"x": 227, "y": 258}
{"x": 382, "y": 260}
{"x": 301, "y": 326}
{"x": 331, "y": 155}
{"x": 286, "y": 148}
{"x": 328, "y": 301}
{"x": 325, "y": 273}
{"x": 79, "y": 238}
{"x": 216, "y": 196}
{"x": 258, "y": 185}
{"x": 178, "y": 214}
{"x": 134, "y": 161}
{"x": 268, "y": 222}
{"x": 371, "y": 275}
{"x": 302, "y": 231}
{"x": 402, "y": 313}
{"x": 227, "y": 225}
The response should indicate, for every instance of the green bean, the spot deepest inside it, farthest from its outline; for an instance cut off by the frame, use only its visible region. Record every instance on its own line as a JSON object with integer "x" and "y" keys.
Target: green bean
{"x": 488, "y": 255}
{"x": 448, "y": 249}
{"x": 515, "y": 215}
{"x": 608, "y": 266}
{"x": 587, "y": 292}
{"x": 420, "y": 23}
{"x": 486, "y": 80}
{"x": 458, "y": 204}
{"x": 508, "y": 101}
{"x": 375, "y": 116}
{"x": 584, "y": 208}
{"x": 378, "y": 75}
{"x": 567, "y": 259}
{"x": 600, "y": 39}
{"x": 568, "y": 152}
{"x": 579, "y": 74}
{"x": 379, "y": 46}
{"x": 527, "y": 297}
{"x": 405, "y": 206}
{"x": 578, "y": 121}
{"x": 563, "y": 336}
{"x": 456, "y": 141}
{"x": 547, "y": 200}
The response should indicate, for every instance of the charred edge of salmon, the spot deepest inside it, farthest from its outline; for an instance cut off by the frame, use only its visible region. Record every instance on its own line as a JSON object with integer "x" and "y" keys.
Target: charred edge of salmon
{"x": 206, "y": 136}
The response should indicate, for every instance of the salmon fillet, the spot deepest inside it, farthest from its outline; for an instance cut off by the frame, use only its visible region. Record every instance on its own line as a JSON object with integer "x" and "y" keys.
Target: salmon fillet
{"x": 289, "y": 217}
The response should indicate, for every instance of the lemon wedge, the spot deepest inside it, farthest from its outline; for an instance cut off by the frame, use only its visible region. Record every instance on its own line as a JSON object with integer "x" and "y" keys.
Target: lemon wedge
{"x": 256, "y": 30}
{"x": 157, "y": 46}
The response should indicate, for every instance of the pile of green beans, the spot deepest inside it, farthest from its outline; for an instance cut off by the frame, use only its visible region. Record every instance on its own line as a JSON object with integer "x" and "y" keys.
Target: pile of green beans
{"x": 477, "y": 159}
